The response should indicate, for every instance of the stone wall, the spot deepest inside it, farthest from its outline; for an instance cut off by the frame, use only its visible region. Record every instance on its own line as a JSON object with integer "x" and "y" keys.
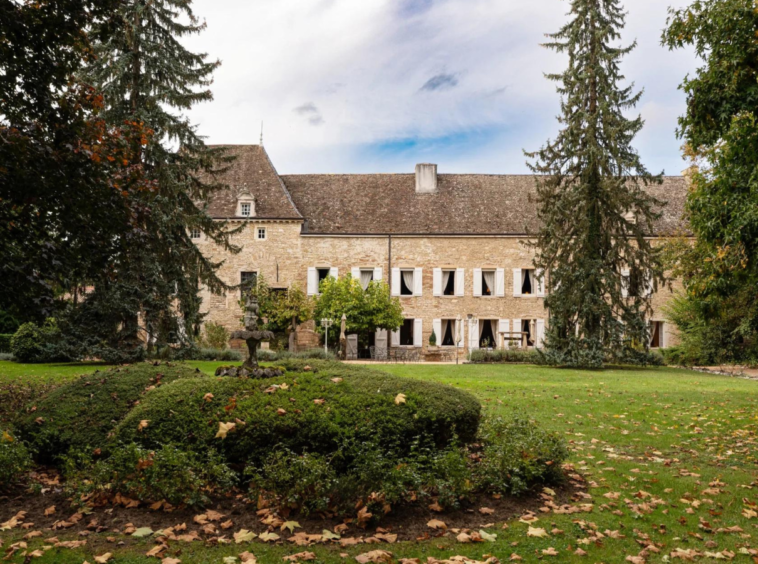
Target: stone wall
{"x": 285, "y": 256}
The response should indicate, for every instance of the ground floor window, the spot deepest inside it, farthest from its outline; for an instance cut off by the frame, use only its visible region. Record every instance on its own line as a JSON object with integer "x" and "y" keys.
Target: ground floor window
{"x": 527, "y": 333}
{"x": 448, "y": 332}
{"x": 487, "y": 331}
{"x": 406, "y": 333}
{"x": 656, "y": 334}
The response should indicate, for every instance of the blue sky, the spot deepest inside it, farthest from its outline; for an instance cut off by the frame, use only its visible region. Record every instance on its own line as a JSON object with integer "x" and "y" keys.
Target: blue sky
{"x": 378, "y": 85}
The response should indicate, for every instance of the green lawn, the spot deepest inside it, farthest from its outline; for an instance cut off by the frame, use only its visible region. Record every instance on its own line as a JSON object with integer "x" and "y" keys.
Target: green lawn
{"x": 675, "y": 452}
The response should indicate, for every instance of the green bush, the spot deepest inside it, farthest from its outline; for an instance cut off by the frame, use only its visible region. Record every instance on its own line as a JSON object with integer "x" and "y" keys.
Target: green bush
{"x": 168, "y": 473}
{"x": 265, "y": 355}
{"x": 7, "y": 356}
{"x": 32, "y": 343}
{"x": 27, "y": 343}
{"x": 215, "y": 336}
{"x": 516, "y": 455}
{"x": 15, "y": 460}
{"x": 311, "y": 482}
{"x": 306, "y": 482}
{"x": 5, "y": 343}
{"x": 82, "y": 413}
{"x": 516, "y": 356}
{"x": 360, "y": 405}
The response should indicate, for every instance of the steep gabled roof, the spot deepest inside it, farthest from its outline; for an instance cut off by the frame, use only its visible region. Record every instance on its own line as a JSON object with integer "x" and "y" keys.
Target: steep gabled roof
{"x": 464, "y": 204}
{"x": 253, "y": 172}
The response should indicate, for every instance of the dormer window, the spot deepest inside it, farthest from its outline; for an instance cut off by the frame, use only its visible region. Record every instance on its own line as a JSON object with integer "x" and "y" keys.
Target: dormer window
{"x": 245, "y": 205}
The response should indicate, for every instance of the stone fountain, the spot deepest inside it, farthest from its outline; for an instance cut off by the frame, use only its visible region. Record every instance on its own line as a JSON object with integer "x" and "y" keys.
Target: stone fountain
{"x": 253, "y": 337}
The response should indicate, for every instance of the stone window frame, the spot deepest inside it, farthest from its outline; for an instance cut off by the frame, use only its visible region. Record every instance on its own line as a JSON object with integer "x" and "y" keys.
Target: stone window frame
{"x": 258, "y": 231}
{"x": 256, "y": 271}
{"x": 195, "y": 233}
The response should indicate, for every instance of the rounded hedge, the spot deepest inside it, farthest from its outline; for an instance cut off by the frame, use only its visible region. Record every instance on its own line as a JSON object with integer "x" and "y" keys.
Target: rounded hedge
{"x": 82, "y": 413}
{"x": 316, "y": 407}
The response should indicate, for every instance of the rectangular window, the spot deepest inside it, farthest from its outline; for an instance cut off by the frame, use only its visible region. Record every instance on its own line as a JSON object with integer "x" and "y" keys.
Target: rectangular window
{"x": 527, "y": 333}
{"x": 194, "y": 233}
{"x": 261, "y": 234}
{"x": 488, "y": 282}
{"x": 449, "y": 333}
{"x": 323, "y": 274}
{"x": 406, "y": 333}
{"x": 488, "y": 333}
{"x": 248, "y": 280}
{"x": 448, "y": 282}
{"x": 407, "y": 282}
{"x": 528, "y": 282}
{"x": 366, "y": 277}
{"x": 245, "y": 209}
{"x": 656, "y": 334}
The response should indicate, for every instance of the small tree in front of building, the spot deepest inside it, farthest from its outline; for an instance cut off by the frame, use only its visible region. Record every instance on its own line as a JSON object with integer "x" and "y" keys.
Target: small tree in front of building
{"x": 281, "y": 310}
{"x": 366, "y": 310}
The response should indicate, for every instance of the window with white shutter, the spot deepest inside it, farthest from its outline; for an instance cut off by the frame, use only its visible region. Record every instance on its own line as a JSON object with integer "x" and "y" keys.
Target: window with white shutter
{"x": 504, "y": 329}
{"x": 500, "y": 283}
{"x": 418, "y": 333}
{"x": 540, "y": 337}
{"x": 405, "y": 333}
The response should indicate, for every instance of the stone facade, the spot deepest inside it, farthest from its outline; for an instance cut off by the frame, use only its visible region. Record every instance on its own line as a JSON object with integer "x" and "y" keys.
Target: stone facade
{"x": 283, "y": 249}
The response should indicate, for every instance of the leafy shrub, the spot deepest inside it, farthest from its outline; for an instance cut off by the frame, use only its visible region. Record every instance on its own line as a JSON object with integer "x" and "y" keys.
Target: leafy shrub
{"x": 312, "y": 482}
{"x": 15, "y": 459}
{"x": 311, "y": 354}
{"x": 517, "y": 454}
{"x": 32, "y": 343}
{"x": 7, "y": 356}
{"x": 14, "y": 398}
{"x": 81, "y": 413}
{"x": 168, "y": 473}
{"x": 5, "y": 343}
{"x": 360, "y": 405}
{"x": 224, "y": 355}
{"x": 516, "y": 356}
{"x": 299, "y": 481}
{"x": 215, "y": 336}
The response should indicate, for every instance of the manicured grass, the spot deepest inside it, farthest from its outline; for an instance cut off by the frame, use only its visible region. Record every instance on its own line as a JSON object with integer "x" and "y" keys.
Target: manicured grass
{"x": 58, "y": 373}
{"x": 687, "y": 439}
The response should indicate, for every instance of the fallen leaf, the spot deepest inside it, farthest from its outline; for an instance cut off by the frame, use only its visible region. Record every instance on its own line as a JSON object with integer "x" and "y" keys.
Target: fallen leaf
{"x": 208, "y": 397}
{"x": 223, "y": 429}
{"x": 291, "y": 525}
{"x": 50, "y": 511}
{"x": 268, "y": 537}
{"x": 244, "y": 536}
{"x": 436, "y": 524}
{"x": 103, "y": 558}
{"x": 399, "y": 399}
{"x": 300, "y": 556}
{"x": 326, "y": 534}
{"x": 489, "y": 537}
{"x": 142, "y": 532}
{"x": 248, "y": 558}
{"x": 171, "y": 561}
{"x": 375, "y": 556}
{"x": 486, "y": 511}
{"x": 550, "y": 552}
{"x": 536, "y": 532}
{"x": 141, "y": 427}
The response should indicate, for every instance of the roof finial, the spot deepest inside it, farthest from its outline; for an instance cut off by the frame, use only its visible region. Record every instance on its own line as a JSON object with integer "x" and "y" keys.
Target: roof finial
{"x": 261, "y": 133}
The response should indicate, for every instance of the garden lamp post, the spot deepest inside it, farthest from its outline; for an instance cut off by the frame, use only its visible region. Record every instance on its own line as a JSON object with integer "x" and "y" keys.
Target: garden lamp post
{"x": 326, "y": 323}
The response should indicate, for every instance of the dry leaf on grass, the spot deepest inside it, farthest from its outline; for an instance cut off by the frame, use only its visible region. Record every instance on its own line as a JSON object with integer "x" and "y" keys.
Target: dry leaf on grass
{"x": 300, "y": 556}
{"x": 436, "y": 524}
{"x": 375, "y": 557}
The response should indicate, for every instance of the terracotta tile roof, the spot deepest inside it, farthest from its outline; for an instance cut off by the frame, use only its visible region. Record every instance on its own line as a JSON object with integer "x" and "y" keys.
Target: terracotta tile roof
{"x": 253, "y": 172}
{"x": 464, "y": 204}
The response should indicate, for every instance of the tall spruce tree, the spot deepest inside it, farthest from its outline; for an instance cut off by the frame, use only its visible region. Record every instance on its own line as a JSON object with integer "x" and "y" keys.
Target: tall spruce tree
{"x": 594, "y": 211}
{"x": 149, "y": 78}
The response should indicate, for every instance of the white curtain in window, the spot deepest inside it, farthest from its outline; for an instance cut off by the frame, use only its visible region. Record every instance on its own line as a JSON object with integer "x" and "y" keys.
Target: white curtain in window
{"x": 408, "y": 279}
{"x": 528, "y": 277}
{"x": 366, "y": 277}
{"x": 446, "y": 274}
{"x": 441, "y": 338}
{"x": 489, "y": 280}
{"x": 482, "y": 324}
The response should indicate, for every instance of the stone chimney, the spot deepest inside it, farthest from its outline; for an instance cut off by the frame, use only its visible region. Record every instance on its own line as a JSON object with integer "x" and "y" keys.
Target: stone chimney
{"x": 426, "y": 178}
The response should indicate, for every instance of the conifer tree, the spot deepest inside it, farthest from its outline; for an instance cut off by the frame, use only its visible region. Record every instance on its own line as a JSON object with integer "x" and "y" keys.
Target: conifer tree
{"x": 594, "y": 210}
{"x": 148, "y": 77}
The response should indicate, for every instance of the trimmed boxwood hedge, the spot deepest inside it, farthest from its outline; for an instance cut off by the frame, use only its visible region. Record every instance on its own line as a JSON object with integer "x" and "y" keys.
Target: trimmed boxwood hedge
{"x": 360, "y": 407}
{"x": 82, "y": 413}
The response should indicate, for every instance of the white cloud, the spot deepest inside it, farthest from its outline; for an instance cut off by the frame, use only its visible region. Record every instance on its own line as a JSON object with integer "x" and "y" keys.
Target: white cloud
{"x": 333, "y": 78}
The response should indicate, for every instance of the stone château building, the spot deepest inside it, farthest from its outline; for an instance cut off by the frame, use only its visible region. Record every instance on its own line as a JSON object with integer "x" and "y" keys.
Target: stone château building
{"x": 451, "y": 246}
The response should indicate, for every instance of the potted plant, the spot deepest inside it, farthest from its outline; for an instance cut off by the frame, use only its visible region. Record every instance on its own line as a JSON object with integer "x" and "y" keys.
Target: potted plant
{"x": 433, "y": 353}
